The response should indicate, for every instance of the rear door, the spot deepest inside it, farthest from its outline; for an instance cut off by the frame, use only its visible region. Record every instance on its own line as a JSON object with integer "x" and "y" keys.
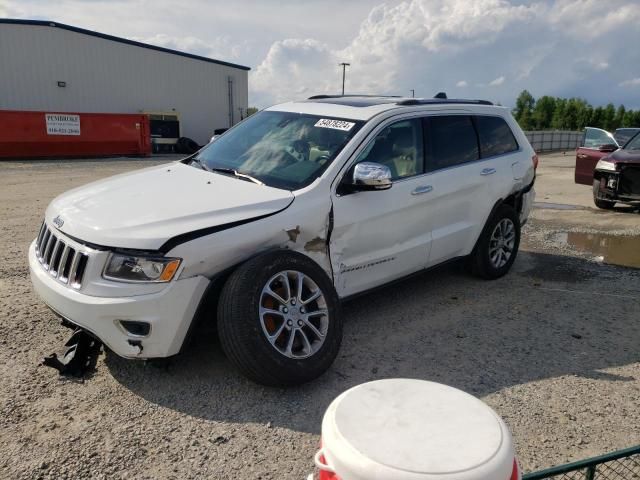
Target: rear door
{"x": 469, "y": 173}
{"x": 588, "y": 154}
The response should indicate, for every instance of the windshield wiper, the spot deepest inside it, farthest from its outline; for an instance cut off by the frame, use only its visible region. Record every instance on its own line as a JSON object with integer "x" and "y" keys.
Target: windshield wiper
{"x": 200, "y": 163}
{"x": 226, "y": 171}
{"x": 235, "y": 173}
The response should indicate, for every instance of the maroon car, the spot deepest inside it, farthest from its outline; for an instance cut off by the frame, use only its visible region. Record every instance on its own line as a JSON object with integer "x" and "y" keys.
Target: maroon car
{"x": 596, "y": 143}
{"x": 616, "y": 177}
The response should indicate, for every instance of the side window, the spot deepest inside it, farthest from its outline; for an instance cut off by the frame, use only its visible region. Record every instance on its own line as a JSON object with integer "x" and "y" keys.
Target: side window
{"x": 449, "y": 140}
{"x": 595, "y": 137}
{"x": 399, "y": 147}
{"x": 495, "y": 136}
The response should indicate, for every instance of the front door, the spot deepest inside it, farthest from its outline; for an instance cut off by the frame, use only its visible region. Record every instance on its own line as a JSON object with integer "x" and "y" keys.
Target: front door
{"x": 588, "y": 154}
{"x": 379, "y": 236}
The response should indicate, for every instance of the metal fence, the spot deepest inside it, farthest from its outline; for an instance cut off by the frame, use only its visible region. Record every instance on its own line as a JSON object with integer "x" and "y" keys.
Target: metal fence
{"x": 546, "y": 141}
{"x": 619, "y": 465}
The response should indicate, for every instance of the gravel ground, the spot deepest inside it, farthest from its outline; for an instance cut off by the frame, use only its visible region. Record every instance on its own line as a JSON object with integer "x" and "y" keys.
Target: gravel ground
{"x": 553, "y": 347}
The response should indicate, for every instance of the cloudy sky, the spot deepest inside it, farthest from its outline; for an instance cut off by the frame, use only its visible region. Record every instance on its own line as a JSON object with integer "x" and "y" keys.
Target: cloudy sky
{"x": 489, "y": 49}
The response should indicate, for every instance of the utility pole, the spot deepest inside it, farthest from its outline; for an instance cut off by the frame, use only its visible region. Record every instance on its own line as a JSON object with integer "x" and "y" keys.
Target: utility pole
{"x": 413, "y": 93}
{"x": 344, "y": 67}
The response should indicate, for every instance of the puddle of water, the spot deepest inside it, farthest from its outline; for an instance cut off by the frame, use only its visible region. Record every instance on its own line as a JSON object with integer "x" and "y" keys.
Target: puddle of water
{"x": 618, "y": 250}
{"x": 558, "y": 206}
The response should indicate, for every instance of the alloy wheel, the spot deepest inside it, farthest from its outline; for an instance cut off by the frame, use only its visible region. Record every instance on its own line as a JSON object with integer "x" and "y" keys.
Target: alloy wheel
{"x": 502, "y": 243}
{"x": 293, "y": 314}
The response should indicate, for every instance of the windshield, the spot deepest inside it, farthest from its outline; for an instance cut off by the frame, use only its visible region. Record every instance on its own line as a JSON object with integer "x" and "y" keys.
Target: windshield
{"x": 281, "y": 149}
{"x": 622, "y": 135}
{"x": 634, "y": 143}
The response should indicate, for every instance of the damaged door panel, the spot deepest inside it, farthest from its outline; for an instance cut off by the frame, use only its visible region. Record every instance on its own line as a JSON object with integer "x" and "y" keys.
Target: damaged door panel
{"x": 382, "y": 235}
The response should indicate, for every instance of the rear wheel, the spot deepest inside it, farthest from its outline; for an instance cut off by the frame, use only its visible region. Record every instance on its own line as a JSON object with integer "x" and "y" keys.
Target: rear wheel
{"x": 600, "y": 203}
{"x": 498, "y": 244}
{"x": 278, "y": 319}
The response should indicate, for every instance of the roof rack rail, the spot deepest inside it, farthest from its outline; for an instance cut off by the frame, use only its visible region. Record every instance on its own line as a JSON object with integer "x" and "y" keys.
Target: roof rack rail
{"x": 320, "y": 97}
{"x": 432, "y": 101}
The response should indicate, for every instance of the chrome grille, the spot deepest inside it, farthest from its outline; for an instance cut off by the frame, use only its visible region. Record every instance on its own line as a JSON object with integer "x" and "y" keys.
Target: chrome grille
{"x": 61, "y": 260}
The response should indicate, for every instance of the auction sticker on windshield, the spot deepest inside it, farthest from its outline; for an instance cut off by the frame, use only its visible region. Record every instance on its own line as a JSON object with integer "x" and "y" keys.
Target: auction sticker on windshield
{"x": 335, "y": 124}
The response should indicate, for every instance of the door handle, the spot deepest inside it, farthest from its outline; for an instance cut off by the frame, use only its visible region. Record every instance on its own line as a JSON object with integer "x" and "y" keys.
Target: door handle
{"x": 422, "y": 189}
{"x": 488, "y": 171}
{"x": 582, "y": 155}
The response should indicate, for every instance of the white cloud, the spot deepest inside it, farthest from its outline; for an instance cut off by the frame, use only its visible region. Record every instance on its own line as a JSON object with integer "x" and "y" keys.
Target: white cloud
{"x": 586, "y": 66}
{"x": 426, "y": 44}
{"x": 587, "y": 19}
{"x": 215, "y": 48}
{"x": 296, "y": 66}
{"x": 633, "y": 82}
{"x": 393, "y": 44}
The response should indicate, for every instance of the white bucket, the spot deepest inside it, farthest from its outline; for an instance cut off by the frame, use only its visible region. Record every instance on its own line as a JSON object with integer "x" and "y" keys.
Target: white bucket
{"x": 402, "y": 429}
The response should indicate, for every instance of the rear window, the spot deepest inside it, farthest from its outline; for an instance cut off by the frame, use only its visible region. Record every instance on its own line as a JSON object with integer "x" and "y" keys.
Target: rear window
{"x": 449, "y": 140}
{"x": 496, "y": 138}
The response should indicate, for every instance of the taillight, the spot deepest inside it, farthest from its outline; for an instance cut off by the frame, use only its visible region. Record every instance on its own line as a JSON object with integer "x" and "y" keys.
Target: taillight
{"x": 535, "y": 161}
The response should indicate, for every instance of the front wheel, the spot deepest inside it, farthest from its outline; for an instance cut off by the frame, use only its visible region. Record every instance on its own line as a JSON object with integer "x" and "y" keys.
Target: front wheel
{"x": 498, "y": 244}
{"x": 278, "y": 319}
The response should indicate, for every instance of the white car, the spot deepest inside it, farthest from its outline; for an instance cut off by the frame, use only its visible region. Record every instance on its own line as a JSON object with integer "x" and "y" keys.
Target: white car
{"x": 280, "y": 219}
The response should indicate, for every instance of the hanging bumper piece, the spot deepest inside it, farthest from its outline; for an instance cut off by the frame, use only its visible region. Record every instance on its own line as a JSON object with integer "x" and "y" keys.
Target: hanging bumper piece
{"x": 80, "y": 356}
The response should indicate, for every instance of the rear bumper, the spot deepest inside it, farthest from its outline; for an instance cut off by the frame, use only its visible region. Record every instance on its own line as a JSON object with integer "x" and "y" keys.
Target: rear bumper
{"x": 527, "y": 203}
{"x": 168, "y": 312}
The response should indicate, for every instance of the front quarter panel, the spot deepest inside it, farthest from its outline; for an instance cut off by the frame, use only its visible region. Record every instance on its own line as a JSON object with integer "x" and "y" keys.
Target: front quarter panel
{"x": 302, "y": 227}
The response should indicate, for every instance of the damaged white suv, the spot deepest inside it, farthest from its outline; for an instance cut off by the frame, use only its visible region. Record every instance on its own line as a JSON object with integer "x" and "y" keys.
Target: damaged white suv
{"x": 291, "y": 211}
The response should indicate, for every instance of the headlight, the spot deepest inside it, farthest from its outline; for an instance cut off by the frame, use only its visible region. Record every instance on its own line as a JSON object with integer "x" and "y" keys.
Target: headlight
{"x": 606, "y": 165}
{"x": 129, "y": 268}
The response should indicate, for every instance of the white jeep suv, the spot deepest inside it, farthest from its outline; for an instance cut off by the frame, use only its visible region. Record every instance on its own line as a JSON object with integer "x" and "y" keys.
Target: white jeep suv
{"x": 286, "y": 214}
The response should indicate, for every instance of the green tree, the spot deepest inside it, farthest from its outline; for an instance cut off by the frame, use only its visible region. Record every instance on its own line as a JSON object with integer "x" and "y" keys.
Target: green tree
{"x": 609, "y": 117}
{"x": 558, "y": 120}
{"x": 627, "y": 119}
{"x": 617, "y": 121}
{"x": 571, "y": 115}
{"x": 524, "y": 110}
{"x": 543, "y": 112}
{"x": 597, "y": 118}
{"x": 585, "y": 116}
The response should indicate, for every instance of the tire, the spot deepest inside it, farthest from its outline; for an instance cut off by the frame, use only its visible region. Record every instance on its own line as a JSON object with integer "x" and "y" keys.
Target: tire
{"x": 600, "y": 203}
{"x": 482, "y": 261}
{"x": 243, "y": 325}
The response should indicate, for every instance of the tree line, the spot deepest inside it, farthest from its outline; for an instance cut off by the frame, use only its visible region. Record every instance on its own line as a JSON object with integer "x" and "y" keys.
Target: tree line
{"x": 555, "y": 113}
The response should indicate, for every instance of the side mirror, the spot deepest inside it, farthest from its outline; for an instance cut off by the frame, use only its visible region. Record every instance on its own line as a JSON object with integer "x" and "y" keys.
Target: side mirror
{"x": 370, "y": 176}
{"x": 608, "y": 148}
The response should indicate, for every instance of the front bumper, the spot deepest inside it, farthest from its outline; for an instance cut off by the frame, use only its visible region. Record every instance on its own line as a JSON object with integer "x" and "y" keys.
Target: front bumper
{"x": 620, "y": 186}
{"x": 169, "y": 312}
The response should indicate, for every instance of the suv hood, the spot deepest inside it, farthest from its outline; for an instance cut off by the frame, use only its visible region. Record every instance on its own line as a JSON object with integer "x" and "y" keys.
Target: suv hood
{"x": 624, "y": 156}
{"x": 145, "y": 208}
